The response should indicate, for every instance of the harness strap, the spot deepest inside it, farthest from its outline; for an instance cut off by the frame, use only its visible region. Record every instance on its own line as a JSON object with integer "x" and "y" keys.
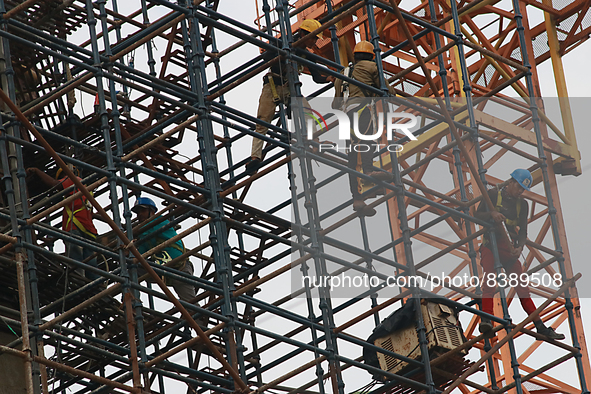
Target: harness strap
{"x": 164, "y": 257}
{"x": 345, "y": 85}
{"x": 509, "y": 222}
{"x": 276, "y": 98}
{"x": 72, "y": 218}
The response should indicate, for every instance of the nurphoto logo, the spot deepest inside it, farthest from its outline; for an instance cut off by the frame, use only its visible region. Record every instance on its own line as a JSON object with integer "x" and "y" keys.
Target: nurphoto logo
{"x": 360, "y": 126}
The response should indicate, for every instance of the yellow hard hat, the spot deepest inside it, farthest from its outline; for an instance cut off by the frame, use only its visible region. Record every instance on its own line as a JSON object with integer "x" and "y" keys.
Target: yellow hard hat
{"x": 74, "y": 170}
{"x": 364, "y": 47}
{"x": 310, "y": 25}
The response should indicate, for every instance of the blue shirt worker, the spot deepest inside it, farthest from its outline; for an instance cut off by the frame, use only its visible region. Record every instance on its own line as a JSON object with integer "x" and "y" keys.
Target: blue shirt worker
{"x": 145, "y": 209}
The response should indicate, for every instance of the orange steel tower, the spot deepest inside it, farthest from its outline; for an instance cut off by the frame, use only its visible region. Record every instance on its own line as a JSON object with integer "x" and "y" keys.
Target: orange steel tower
{"x": 490, "y": 65}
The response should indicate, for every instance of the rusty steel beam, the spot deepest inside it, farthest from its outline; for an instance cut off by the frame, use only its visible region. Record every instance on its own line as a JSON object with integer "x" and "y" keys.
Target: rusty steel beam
{"x": 22, "y": 297}
{"x": 12, "y": 12}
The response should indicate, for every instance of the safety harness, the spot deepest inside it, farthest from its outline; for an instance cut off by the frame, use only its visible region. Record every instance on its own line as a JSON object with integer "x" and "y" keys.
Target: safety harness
{"x": 73, "y": 219}
{"x": 510, "y": 223}
{"x": 164, "y": 257}
{"x": 271, "y": 81}
{"x": 348, "y": 71}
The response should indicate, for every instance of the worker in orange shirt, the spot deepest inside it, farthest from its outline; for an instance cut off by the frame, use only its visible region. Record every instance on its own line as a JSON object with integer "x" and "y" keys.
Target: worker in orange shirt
{"x": 76, "y": 218}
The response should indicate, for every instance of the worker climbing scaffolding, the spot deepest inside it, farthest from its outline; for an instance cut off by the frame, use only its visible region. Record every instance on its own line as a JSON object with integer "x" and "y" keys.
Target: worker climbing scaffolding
{"x": 510, "y": 211}
{"x": 76, "y": 218}
{"x": 352, "y": 100}
{"x": 155, "y": 232}
{"x": 276, "y": 89}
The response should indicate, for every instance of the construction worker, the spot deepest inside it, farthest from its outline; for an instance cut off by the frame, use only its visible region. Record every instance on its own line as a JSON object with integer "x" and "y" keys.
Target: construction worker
{"x": 352, "y": 99}
{"x": 76, "y": 218}
{"x": 276, "y": 89}
{"x": 145, "y": 209}
{"x": 511, "y": 213}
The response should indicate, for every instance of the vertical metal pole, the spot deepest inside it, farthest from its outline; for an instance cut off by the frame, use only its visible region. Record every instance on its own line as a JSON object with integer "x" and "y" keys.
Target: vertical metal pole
{"x": 459, "y": 171}
{"x": 41, "y": 353}
{"x": 467, "y": 88}
{"x": 126, "y": 107}
{"x": 18, "y": 206}
{"x": 297, "y": 220}
{"x": 365, "y": 239}
{"x": 311, "y": 205}
{"x": 105, "y": 128}
{"x": 228, "y": 149}
{"x": 304, "y": 269}
{"x": 547, "y": 189}
{"x": 146, "y": 22}
{"x": 375, "y": 40}
{"x": 135, "y": 301}
{"x": 421, "y": 330}
{"x": 218, "y": 233}
{"x": 222, "y": 100}
{"x": 22, "y": 296}
{"x": 333, "y": 33}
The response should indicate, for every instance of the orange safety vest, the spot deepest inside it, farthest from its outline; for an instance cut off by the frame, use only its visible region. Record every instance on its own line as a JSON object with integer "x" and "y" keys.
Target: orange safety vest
{"x": 70, "y": 216}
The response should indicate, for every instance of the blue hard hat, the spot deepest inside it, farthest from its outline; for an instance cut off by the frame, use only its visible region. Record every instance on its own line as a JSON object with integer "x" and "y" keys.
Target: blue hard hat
{"x": 523, "y": 177}
{"x": 144, "y": 202}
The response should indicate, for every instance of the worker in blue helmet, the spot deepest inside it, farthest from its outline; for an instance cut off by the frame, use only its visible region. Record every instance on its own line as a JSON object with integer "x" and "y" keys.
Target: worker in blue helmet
{"x": 512, "y": 211}
{"x": 144, "y": 202}
{"x": 156, "y": 233}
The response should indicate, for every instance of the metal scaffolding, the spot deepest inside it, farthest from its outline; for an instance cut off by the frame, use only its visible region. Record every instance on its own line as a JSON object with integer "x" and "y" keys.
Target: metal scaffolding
{"x": 156, "y": 98}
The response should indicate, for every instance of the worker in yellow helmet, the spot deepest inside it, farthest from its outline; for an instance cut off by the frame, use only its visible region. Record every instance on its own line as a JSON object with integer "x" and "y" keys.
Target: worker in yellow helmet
{"x": 351, "y": 99}
{"x": 276, "y": 87}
